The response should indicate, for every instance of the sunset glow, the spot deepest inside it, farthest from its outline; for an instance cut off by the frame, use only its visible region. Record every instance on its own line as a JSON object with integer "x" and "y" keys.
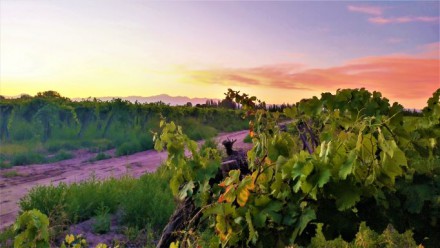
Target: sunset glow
{"x": 279, "y": 51}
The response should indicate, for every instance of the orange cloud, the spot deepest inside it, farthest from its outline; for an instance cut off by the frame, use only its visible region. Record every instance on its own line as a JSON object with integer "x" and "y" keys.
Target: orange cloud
{"x": 403, "y": 19}
{"x": 409, "y": 79}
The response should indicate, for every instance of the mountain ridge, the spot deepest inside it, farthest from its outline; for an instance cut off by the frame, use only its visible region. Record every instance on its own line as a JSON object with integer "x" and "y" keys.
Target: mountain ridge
{"x": 165, "y": 98}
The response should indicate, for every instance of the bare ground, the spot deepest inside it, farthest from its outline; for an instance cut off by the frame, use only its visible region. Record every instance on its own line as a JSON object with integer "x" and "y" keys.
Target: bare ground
{"x": 79, "y": 168}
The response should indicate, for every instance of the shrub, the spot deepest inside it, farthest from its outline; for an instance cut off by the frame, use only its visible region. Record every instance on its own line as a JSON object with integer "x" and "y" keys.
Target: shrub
{"x": 146, "y": 142}
{"x": 28, "y": 158}
{"x": 12, "y": 173}
{"x": 100, "y": 156}
{"x": 61, "y": 155}
{"x": 7, "y": 237}
{"x": 56, "y": 145}
{"x": 45, "y": 198}
{"x": 21, "y": 131}
{"x": 128, "y": 148}
{"x": 210, "y": 143}
{"x": 101, "y": 222}
{"x": 144, "y": 202}
{"x": 157, "y": 202}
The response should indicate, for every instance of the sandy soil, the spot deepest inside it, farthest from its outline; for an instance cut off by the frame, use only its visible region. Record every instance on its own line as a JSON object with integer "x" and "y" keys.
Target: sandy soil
{"x": 78, "y": 169}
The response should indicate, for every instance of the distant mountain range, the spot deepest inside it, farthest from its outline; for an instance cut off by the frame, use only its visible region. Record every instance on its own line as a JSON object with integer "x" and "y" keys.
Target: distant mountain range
{"x": 167, "y": 99}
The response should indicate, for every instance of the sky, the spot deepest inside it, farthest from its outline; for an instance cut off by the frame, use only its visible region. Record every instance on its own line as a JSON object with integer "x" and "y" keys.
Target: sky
{"x": 279, "y": 51}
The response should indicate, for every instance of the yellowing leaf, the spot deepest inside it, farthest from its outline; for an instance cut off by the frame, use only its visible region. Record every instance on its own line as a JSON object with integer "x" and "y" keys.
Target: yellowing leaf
{"x": 233, "y": 178}
{"x": 229, "y": 195}
{"x": 243, "y": 189}
{"x": 268, "y": 161}
{"x": 222, "y": 227}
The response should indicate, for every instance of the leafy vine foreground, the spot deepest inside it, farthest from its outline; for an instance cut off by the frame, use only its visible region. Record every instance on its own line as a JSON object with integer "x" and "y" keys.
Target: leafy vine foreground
{"x": 339, "y": 161}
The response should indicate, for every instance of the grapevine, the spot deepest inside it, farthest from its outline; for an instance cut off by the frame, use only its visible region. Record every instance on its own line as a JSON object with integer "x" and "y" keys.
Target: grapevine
{"x": 332, "y": 162}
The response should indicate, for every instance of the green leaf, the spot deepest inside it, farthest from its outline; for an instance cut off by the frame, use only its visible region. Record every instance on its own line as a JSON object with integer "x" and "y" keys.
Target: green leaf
{"x": 306, "y": 216}
{"x": 290, "y": 112}
{"x": 253, "y": 235}
{"x": 187, "y": 190}
{"x": 347, "y": 167}
{"x": 324, "y": 177}
{"x": 346, "y": 194}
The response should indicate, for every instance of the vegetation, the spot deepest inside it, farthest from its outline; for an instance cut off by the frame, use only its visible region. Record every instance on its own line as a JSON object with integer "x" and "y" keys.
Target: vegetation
{"x": 11, "y": 173}
{"x": 348, "y": 170}
{"x": 247, "y": 139}
{"x": 102, "y": 221}
{"x": 31, "y": 128}
{"x": 32, "y": 229}
{"x": 345, "y": 162}
{"x": 69, "y": 204}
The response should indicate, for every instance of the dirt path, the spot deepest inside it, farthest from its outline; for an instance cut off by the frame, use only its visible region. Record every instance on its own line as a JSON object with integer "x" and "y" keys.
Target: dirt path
{"x": 78, "y": 169}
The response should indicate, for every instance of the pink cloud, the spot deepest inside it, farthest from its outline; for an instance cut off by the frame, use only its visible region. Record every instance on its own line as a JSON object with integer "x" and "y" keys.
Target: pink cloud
{"x": 404, "y": 19}
{"x": 409, "y": 79}
{"x": 366, "y": 9}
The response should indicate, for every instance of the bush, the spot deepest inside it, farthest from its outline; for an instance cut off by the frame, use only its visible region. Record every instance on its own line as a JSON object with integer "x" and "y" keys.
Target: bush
{"x": 77, "y": 200}
{"x": 61, "y": 155}
{"x": 128, "y": 148}
{"x": 146, "y": 142}
{"x": 149, "y": 202}
{"x": 7, "y": 237}
{"x": 56, "y": 145}
{"x": 45, "y": 198}
{"x": 21, "y": 130}
{"x": 11, "y": 173}
{"x": 144, "y": 202}
{"x": 101, "y": 222}
{"x": 210, "y": 143}
{"x": 100, "y": 156}
{"x": 28, "y": 158}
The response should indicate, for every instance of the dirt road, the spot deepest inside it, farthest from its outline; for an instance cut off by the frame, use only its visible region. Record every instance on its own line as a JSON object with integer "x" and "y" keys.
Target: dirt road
{"x": 78, "y": 169}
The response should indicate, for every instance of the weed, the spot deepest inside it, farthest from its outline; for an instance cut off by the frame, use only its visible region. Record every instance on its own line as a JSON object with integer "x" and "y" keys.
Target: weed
{"x": 28, "y": 158}
{"x": 210, "y": 143}
{"x": 7, "y": 237}
{"x": 128, "y": 148}
{"x": 11, "y": 173}
{"x": 61, "y": 155}
{"x": 100, "y": 156}
{"x": 101, "y": 222}
{"x": 157, "y": 202}
{"x": 78, "y": 201}
{"x": 5, "y": 164}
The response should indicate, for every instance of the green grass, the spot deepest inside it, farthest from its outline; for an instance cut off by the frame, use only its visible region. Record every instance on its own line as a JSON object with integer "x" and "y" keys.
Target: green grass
{"x": 7, "y": 237}
{"x": 61, "y": 155}
{"x": 28, "y": 158}
{"x": 102, "y": 221}
{"x": 144, "y": 201}
{"x": 100, "y": 156}
{"x": 11, "y": 173}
